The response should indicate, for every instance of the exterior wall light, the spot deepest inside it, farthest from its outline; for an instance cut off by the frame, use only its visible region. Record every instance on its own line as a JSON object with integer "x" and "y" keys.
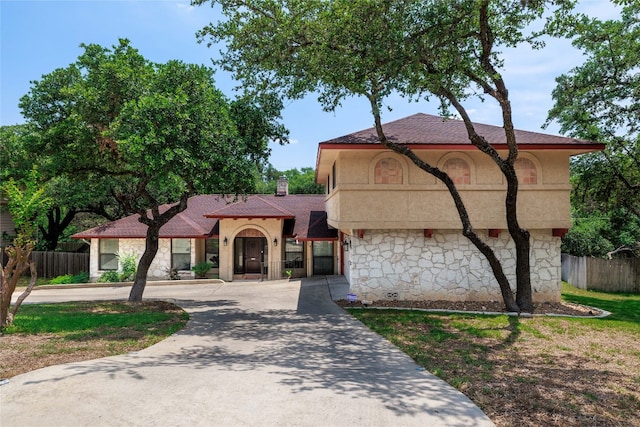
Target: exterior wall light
{"x": 225, "y": 241}
{"x": 275, "y": 242}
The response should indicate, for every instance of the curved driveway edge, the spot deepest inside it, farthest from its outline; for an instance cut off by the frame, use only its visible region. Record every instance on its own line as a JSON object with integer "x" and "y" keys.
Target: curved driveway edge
{"x": 253, "y": 354}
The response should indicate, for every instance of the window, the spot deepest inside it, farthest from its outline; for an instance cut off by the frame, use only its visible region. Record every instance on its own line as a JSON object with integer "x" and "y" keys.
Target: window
{"x": 458, "y": 170}
{"x": 212, "y": 251}
{"x": 322, "y": 258}
{"x": 181, "y": 254}
{"x": 388, "y": 171}
{"x": 333, "y": 175}
{"x": 293, "y": 254}
{"x": 108, "y": 257}
{"x": 526, "y": 171}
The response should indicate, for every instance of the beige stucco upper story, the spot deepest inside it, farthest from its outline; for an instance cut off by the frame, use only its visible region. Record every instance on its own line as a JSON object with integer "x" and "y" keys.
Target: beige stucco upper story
{"x": 356, "y": 200}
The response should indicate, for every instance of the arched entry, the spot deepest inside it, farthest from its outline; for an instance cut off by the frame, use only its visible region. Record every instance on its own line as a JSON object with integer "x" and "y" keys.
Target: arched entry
{"x": 250, "y": 251}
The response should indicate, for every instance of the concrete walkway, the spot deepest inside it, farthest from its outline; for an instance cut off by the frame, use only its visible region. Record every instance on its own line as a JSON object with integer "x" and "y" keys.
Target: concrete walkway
{"x": 253, "y": 354}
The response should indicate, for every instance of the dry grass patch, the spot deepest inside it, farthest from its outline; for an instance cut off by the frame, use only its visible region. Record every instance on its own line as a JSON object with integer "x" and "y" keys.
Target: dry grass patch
{"x": 51, "y": 334}
{"x": 542, "y": 371}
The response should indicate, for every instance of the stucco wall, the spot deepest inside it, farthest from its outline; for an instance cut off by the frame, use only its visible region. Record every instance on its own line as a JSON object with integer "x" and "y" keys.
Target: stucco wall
{"x": 422, "y": 202}
{"x": 405, "y": 265}
{"x": 270, "y": 228}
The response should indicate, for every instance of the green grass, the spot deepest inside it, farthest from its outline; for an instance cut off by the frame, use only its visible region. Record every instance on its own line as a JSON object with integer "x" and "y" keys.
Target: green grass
{"x": 47, "y": 334}
{"x": 623, "y": 307}
{"x": 81, "y": 320}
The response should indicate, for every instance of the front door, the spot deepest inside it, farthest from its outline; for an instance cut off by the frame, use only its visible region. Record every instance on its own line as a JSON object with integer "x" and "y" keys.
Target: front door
{"x": 253, "y": 254}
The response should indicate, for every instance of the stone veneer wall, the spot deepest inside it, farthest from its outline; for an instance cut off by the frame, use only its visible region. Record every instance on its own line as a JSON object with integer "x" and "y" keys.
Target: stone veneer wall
{"x": 159, "y": 267}
{"x": 405, "y": 265}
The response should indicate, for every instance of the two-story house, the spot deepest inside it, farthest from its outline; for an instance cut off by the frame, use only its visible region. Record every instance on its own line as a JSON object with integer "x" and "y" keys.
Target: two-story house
{"x": 389, "y": 227}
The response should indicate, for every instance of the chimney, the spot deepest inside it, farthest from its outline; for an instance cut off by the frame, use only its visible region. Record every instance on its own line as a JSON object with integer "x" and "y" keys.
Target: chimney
{"x": 283, "y": 186}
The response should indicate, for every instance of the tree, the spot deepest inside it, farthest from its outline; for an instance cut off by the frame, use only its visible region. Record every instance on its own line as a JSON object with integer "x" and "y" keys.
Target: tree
{"x": 26, "y": 201}
{"x": 19, "y": 150}
{"x": 301, "y": 181}
{"x": 600, "y": 101}
{"x": 157, "y": 133}
{"x": 418, "y": 49}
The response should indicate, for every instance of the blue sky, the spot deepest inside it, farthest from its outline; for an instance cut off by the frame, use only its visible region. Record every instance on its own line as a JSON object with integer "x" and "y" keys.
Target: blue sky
{"x": 39, "y": 36}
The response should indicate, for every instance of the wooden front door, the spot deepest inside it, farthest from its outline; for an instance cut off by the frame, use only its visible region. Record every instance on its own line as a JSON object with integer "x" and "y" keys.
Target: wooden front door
{"x": 253, "y": 254}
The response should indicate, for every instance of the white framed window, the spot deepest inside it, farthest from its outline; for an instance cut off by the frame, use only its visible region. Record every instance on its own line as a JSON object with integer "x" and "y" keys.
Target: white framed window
{"x": 181, "y": 254}
{"x": 108, "y": 254}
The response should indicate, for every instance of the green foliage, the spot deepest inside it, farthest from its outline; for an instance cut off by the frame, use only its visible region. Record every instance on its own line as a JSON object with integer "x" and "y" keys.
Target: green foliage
{"x": 129, "y": 266}
{"x": 77, "y": 319}
{"x": 109, "y": 277}
{"x": 600, "y": 101}
{"x": 82, "y": 277}
{"x": 61, "y": 280}
{"x": 27, "y": 200}
{"x": 202, "y": 268}
{"x": 300, "y": 181}
{"x": 586, "y": 238}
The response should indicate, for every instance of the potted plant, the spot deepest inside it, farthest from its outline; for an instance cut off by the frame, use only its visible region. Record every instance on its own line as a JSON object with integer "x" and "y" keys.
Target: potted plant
{"x": 201, "y": 269}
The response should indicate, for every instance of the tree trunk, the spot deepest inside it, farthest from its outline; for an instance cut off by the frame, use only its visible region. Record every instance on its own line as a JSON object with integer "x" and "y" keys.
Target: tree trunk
{"x": 17, "y": 264}
{"x": 56, "y": 226}
{"x": 25, "y": 294}
{"x": 467, "y": 228}
{"x": 150, "y": 251}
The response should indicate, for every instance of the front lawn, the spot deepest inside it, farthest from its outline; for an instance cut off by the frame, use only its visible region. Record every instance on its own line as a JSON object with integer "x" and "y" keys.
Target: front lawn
{"x": 50, "y": 334}
{"x": 542, "y": 371}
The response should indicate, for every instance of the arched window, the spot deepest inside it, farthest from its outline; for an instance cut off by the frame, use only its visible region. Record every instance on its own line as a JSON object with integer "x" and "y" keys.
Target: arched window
{"x": 388, "y": 171}
{"x": 458, "y": 170}
{"x": 526, "y": 171}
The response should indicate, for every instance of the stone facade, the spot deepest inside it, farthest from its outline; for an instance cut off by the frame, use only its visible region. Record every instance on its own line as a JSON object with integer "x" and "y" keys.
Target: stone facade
{"x": 159, "y": 267}
{"x": 405, "y": 265}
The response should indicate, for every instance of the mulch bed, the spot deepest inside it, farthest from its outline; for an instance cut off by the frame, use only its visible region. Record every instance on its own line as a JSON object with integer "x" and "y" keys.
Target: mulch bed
{"x": 554, "y": 308}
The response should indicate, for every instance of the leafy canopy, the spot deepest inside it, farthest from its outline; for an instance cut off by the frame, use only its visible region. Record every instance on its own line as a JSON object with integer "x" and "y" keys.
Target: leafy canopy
{"x": 599, "y": 100}
{"x": 152, "y": 132}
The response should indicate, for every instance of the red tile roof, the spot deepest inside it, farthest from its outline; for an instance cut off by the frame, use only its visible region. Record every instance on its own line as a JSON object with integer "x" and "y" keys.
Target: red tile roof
{"x": 426, "y": 129}
{"x": 200, "y": 218}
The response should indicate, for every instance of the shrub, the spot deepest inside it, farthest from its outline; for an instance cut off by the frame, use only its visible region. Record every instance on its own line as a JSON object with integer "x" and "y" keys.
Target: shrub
{"x": 109, "y": 276}
{"x": 129, "y": 267}
{"x": 202, "y": 268}
{"x": 82, "y": 277}
{"x": 61, "y": 280}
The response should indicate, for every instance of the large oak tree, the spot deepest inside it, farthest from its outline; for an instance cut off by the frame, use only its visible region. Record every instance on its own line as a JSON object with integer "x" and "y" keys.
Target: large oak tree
{"x": 19, "y": 152}
{"x": 600, "y": 100}
{"x": 158, "y": 133}
{"x": 419, "y": 48}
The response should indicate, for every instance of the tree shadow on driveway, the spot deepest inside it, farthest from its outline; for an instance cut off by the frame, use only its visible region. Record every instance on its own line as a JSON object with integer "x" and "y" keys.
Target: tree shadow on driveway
{"x": 312, "y": 350}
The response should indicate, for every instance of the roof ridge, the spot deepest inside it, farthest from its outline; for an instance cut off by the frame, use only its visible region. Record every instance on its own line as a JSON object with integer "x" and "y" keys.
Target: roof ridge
{"x": 273, "y": 205}
{"x": 191, "y": 222}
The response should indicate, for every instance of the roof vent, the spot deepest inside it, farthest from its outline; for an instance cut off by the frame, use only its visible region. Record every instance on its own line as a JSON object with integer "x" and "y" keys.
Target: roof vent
{"x": 283, "y": 186}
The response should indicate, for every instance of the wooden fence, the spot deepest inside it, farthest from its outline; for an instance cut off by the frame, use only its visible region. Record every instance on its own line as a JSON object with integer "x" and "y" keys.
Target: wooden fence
{"x": 53, "y": 264}
{"x": 614, "y": 275}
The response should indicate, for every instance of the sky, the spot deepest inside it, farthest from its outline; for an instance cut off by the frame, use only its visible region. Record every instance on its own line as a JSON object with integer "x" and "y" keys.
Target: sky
{"x": 36, "y": 37}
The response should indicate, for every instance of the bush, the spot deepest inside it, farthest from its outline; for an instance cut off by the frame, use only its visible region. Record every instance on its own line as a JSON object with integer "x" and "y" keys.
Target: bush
{"x": 61, "y": 280}
{"x": 82, "y": 277}
{"x": 202, "y": 268}
{"x": 109, "y": 276}
{"x": 129, "y": 267}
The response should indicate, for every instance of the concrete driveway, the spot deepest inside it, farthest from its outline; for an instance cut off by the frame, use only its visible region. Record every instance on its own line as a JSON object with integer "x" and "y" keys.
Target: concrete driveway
{"x": 253, "y": 354}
